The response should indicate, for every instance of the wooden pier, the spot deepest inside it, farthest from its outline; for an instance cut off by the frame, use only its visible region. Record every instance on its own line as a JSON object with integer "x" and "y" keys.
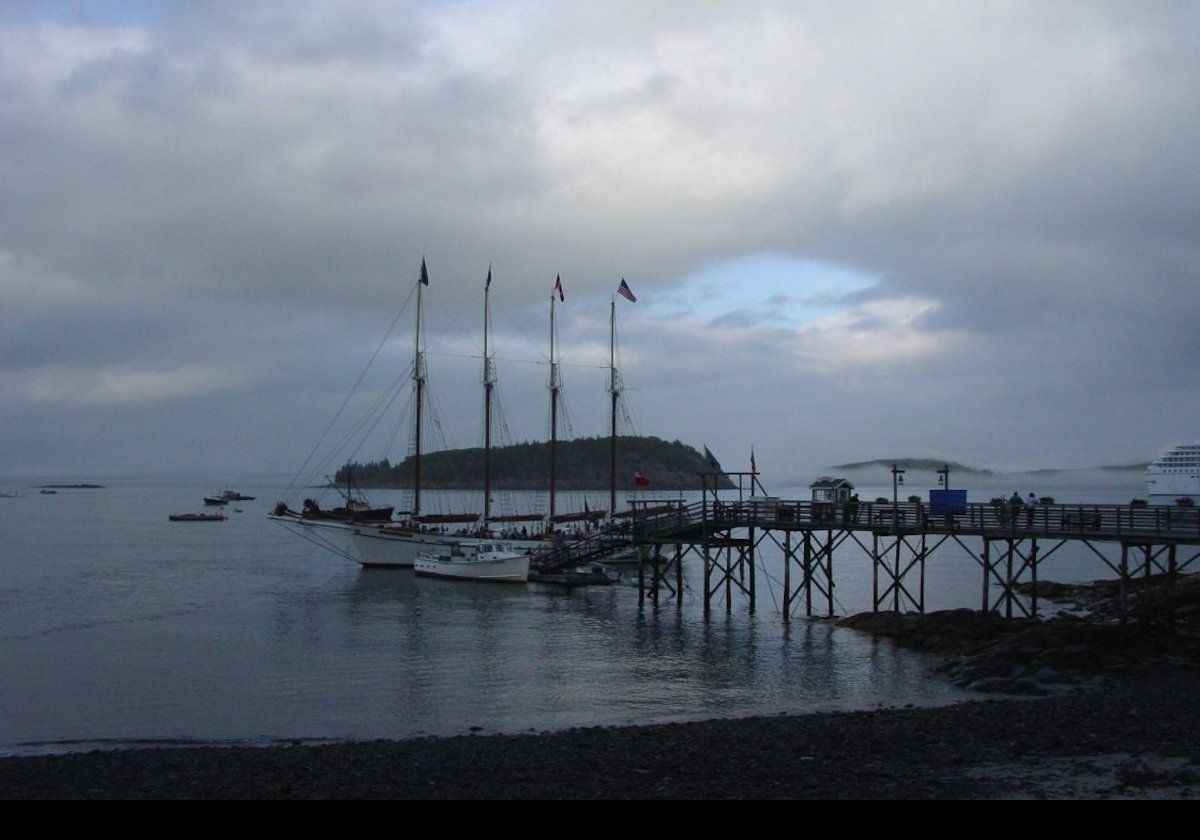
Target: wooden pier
{"x": 1007, "y": 542}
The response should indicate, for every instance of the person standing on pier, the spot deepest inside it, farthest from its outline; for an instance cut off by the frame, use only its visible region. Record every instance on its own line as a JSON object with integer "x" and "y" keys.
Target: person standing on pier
{"x": 1030, "y": 501}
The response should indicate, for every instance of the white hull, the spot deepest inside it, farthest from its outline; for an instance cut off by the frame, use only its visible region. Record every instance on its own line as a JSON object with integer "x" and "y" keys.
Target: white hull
{"x": 390, "y": 549}
{"x": 1176, "y": 472}
{"x": 394, "y": 549}
{"x": 330, "y": 524}
{"x": 1172, "y": 486}
{"x": 502, "y": 569}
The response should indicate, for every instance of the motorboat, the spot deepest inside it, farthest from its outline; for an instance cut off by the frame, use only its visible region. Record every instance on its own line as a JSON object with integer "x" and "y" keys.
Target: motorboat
{"x": 492, "y": 562}
{"x": 226, "y": 496}
{"x": 397, "y": 545}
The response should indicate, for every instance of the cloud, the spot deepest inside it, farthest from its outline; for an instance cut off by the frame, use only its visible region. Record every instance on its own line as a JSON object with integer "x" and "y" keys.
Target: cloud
{"x": 100, "y": 387}
{"x": 1011, "y": 189}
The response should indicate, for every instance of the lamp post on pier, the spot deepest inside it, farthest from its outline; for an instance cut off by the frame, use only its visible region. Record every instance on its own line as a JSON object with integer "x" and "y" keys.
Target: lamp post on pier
{"x": 944, "y": 476}
{"x": 897, "y": 481}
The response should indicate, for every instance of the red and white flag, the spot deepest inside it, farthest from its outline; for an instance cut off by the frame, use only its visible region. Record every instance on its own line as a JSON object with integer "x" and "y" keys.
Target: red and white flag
{"x": 640, "y": 480}
{"x": 558, "y": 288}
{"x": 624, "y": 291}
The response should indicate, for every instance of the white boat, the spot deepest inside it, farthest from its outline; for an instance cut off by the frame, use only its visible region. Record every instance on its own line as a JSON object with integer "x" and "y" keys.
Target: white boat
{"x": 484, "y": 561}
{"x": 397, "y": 546}
{"x": 1176, "y": 472}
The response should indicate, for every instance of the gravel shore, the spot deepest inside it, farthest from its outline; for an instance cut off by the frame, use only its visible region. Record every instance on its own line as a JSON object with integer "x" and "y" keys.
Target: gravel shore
{"x": 1138, "y": 739}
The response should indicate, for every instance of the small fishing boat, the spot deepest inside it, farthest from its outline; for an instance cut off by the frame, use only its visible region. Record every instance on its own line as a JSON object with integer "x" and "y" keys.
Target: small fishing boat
{"x": 226, "y": 496}
{"x": 491, "y": 562}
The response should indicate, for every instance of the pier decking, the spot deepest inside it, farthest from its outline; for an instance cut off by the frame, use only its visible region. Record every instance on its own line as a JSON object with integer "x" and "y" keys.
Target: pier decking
{"x": 1008, "y": 542}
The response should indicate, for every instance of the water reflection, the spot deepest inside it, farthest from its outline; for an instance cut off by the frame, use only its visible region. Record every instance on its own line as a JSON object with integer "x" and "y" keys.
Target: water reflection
{"x": 119, "y": 625}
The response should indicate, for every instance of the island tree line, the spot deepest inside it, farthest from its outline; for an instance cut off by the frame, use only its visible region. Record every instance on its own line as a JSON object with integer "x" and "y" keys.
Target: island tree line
{"x": 583, "y": 464}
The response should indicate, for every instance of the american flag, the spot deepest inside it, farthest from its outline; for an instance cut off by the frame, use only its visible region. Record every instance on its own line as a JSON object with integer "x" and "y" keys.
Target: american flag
{"x": 558, "y": 288}
{"x": 624, "y": 291}
{"x": 424, "y": 273}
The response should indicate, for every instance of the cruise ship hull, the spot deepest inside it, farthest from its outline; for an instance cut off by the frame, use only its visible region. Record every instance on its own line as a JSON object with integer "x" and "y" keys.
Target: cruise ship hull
{"x": 1176, "y": 473}
{"x": 1172, "y": 486}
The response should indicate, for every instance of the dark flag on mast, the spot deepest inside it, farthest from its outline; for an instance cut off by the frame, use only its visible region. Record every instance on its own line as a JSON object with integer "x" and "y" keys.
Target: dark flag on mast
{"x": 487, "y": 284}
{"x": 712, "y": 460}
{"x": 558, "y": 288}
{"x": 624, "y": 291}
{"x": 424, "y": 273}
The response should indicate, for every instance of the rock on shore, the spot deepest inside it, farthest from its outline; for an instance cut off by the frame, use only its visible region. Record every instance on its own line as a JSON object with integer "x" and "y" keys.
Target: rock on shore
{"x": 1085, "y": 645}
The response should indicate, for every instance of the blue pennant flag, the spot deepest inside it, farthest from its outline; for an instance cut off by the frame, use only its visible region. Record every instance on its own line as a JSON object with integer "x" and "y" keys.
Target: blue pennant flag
{"x": 712, "y": 460}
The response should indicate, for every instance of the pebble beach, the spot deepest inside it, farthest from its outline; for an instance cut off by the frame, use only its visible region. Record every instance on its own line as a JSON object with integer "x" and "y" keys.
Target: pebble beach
{"x": 1137, "y": 739}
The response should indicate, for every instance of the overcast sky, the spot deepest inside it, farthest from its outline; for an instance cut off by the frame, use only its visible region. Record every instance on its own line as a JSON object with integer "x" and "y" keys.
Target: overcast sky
{"x": 955, "y": 229}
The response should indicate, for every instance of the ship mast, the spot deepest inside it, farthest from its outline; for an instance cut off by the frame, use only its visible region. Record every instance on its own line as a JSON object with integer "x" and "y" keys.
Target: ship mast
{"x": 614, "y": 388}
{"x": 419, "y": 389}
{"x": 555, "y": 385}
{"x": 489, "y": 381}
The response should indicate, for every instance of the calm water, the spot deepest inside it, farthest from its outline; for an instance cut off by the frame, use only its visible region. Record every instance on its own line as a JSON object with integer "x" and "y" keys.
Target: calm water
{"x": 117, "y": 626}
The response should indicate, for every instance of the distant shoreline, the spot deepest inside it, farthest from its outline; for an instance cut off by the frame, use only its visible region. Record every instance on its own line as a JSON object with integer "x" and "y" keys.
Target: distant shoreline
{"x": 931, "y": 464}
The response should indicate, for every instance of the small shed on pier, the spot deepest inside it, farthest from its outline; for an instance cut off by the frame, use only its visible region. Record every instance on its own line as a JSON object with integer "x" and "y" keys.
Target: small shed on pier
{"x": 826, "y": 489}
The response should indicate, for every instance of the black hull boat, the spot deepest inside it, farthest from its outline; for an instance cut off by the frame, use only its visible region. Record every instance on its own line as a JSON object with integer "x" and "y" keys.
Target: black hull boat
{"x": 355, "y": 512}
{"x": 226, "y": 496}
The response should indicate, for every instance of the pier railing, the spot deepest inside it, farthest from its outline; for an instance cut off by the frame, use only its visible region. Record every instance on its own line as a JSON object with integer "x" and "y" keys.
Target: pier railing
{"x": 1096, "y": 521}
{"x": 696, "y": 522}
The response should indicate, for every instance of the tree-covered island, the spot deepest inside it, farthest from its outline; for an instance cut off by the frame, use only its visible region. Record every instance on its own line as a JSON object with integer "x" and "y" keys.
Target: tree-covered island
{"x": 583, "y": 464}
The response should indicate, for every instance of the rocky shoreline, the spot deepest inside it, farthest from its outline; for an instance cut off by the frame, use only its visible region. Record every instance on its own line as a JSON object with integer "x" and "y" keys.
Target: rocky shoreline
{"x": 1140, "y": 739}
{"x": 1113, "y": 717}
{"x": 1083, "y": 644}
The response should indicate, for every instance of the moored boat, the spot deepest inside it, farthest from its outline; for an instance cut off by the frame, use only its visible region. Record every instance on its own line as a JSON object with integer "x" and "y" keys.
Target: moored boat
{"x": 485, "y": 561}
{"x": 397, "y": 545}
{"x": 197, "y": 517}
{"x": 226, "y": 496}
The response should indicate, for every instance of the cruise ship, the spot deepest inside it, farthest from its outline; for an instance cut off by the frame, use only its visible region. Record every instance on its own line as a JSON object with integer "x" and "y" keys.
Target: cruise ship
{"x": 1176, "y": 472}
